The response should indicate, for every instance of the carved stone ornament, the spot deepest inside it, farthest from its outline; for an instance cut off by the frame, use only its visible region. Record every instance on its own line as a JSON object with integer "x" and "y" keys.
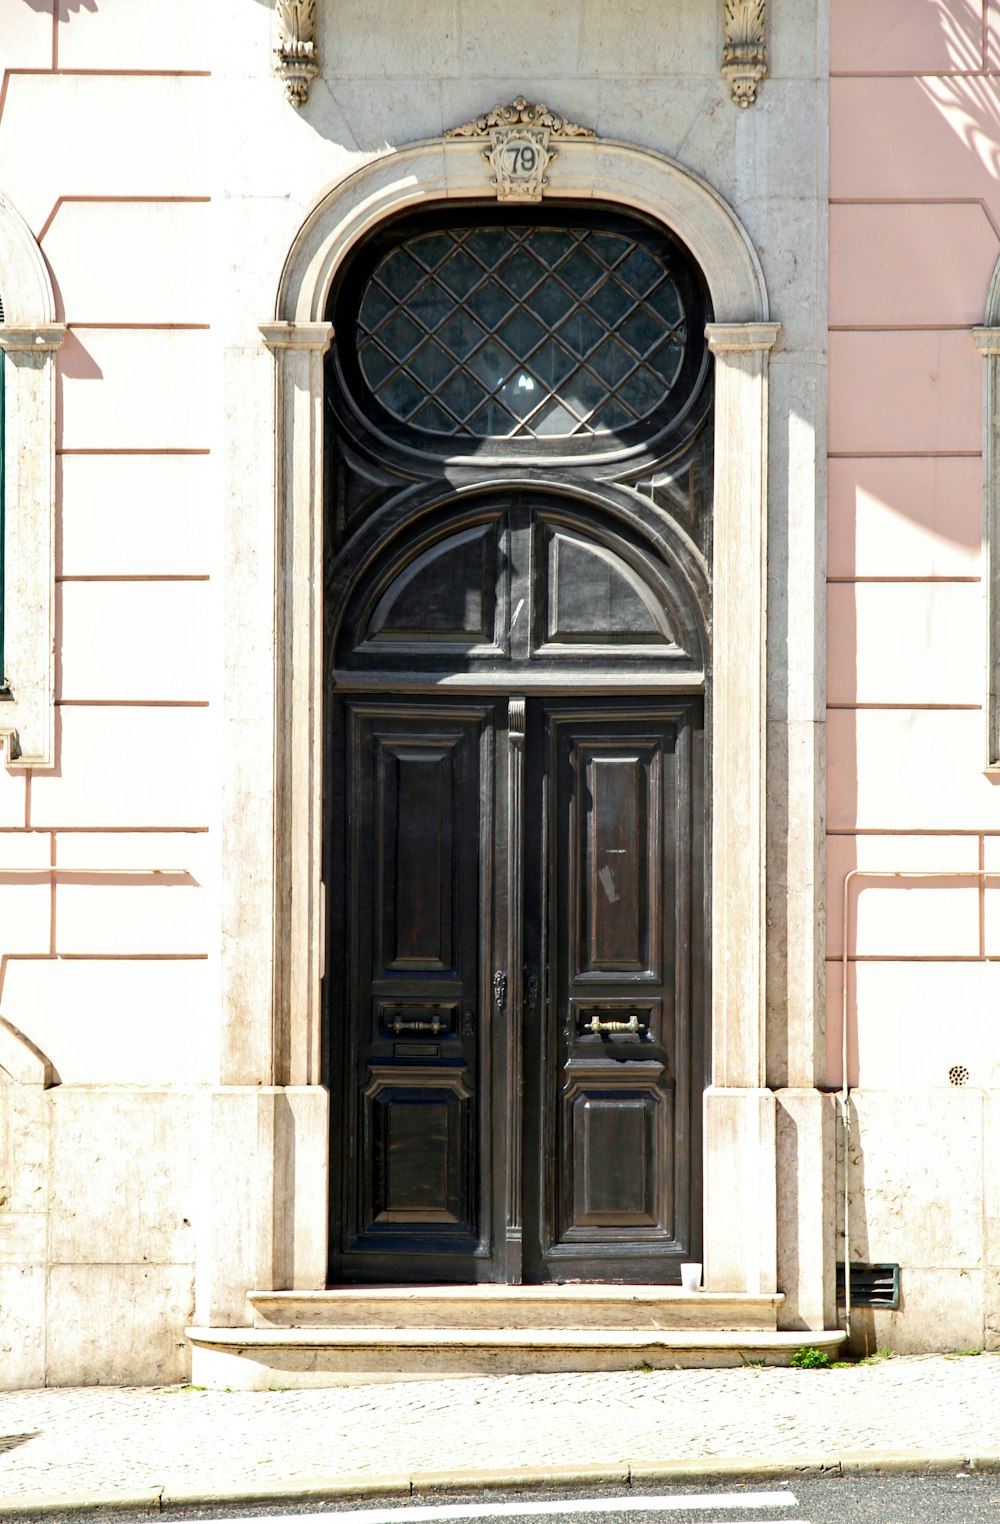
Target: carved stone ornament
{"x": 295, "y": 58}
{"x": 519, "y": 152}
{"x": 744, "y": 55}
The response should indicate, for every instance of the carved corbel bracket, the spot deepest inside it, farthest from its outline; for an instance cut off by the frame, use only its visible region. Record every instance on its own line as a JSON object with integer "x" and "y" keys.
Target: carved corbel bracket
{"x": 295, "y": 59}
{"x": 744, "y": 54}
{"x": 519, "y": 154}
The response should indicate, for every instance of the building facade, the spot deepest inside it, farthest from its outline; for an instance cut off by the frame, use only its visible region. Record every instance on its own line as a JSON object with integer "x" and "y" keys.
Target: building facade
{"x": 497, "y": 623}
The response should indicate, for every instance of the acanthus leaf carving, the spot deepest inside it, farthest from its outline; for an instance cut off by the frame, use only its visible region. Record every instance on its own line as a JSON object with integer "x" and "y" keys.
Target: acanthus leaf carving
{"x": 744, "y": 53}
{"x": 519, "y": 152}
{"x": 295, "y": 59}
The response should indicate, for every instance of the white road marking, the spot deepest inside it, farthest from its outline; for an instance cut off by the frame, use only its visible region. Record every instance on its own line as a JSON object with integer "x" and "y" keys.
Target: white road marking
{"x": 675, "y": 1502}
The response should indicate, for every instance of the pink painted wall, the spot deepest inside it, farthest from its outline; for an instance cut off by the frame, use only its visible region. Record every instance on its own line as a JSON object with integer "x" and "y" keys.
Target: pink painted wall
{"x": 114, "y": 977}
{"x": 914, "y": 238}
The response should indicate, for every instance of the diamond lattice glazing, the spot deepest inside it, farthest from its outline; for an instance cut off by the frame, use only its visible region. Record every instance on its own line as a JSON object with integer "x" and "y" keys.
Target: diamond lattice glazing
{"x": 521, "y": 332}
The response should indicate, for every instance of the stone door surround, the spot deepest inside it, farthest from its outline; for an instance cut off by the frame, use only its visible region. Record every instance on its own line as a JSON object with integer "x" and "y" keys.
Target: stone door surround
{"x": 274, "y": 1045}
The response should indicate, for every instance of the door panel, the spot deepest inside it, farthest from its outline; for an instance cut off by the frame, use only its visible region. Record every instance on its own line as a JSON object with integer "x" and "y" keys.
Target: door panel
{"x": 613, "y": 1126}
{"x": 415, "y": 824}
{"x": 505, "y": 1122}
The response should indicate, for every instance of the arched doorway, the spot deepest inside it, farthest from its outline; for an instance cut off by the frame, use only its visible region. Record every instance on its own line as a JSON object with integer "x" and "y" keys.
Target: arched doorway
{"x": 274, "y": 954}
{"x": 518, "y": 530}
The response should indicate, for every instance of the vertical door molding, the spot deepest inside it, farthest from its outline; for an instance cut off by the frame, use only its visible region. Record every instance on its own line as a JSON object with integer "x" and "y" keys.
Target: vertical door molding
{"x": 740, "y": 1186}
{"x": 513, "y": 996}
{"x": 298, "y": 349}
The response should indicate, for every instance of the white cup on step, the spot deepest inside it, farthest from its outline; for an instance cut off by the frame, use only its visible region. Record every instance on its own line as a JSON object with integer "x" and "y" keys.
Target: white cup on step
{"x": 691, "y": 1277}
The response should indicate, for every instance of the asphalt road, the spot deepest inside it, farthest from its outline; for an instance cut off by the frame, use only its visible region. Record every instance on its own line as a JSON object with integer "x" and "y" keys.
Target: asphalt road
{"x": 949, "y": 1498}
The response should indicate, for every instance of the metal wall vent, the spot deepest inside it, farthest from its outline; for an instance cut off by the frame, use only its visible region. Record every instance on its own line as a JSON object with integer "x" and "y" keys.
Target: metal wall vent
{"x": 958, "y": 1074}
{"x": 871, "y": 1285}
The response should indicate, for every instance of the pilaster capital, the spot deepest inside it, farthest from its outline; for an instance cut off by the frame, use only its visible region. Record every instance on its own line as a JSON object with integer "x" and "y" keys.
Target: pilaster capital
{"x": 987, "y": 340}
{"x": 278, "y": 336}
{"x": 724, "y": 338}
{"x": 40, "y": 338}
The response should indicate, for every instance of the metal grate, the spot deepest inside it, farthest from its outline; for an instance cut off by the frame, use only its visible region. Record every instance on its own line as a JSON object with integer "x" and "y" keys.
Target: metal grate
{"x": 871, "y": 1285}
{"x": 531, "y": 332}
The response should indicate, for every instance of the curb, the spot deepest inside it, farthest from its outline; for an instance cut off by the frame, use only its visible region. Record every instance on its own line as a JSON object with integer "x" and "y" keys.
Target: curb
{"x": 166, "y": 1497}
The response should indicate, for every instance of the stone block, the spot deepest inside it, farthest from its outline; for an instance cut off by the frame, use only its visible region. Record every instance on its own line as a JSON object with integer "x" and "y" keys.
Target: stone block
{"x": 633, "y": 40}
{"x": 124, "y": 1172}
{"x": 132, "y": 515}
{"x": 163, "y": 145}
{"x": 25, "y": 902}
{"x": 118, "y": 1325}
{"x": 912, "y": 265}
{"x": 939, "y": 1310}
{"x": 418, "y": 39}
{"x": 118, "y": 34}
{"x": 22, "y": 1326}
{"x": 159, "y": 272}
{"x": 912, "y": 132}
{"x": 27, "y": 36}
{"x": 906, "y": 643}
{"x": 916, "y": 1183}
{"x": 905, "y": 392}
{"x": 131, "y": 766}
{"x": 740, "y": 1174}
{"x": 806, "y": 1123}
{"x": 266, "y": 1179}
{"x": 909, "y": 769}
{"x": 991, "y": 1331}
{"x": 137, "y": 389}
{"x": 166, "y": 656}
{"x": 897, "y": 37}
{"x": 142, "y": 1021}
{"x": 901, "y": 517}
{"x": 881, "y": 910}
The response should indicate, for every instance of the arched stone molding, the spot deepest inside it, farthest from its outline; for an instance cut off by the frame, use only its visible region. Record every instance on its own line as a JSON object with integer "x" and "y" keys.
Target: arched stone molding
{"x": 987, "y": 340}
{"x": 29, "y": 339}
{"x": 586, "y": 169}
{"x": 277, "y": 1043}
{"x": 21, "y": 1063}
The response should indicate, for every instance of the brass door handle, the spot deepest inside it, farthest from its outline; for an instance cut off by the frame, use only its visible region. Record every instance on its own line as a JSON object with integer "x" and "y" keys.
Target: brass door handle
{"x": 399, "y": 1025}
{"x": 598, "y": 1026}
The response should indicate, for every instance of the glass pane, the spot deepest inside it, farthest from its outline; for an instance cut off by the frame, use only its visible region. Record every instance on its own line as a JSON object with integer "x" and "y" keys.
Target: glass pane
{"x": 611, "y": 302}
{"x": 612, "y": 363}
{"x": 461, "y": 334}
{"x": 462, "y": 393}
{"x": 491, "y": 304}
{"x": 521, "y": 272}
{"x": 527, "y": 331}
{"x": 375, "y": 365}
{"x": 399, "y": 273}
{"x": 430, "y": 365}
{"x": 459, "y": 274}
{"x": 581, "y": 331}
{"x": 492, "y": 365}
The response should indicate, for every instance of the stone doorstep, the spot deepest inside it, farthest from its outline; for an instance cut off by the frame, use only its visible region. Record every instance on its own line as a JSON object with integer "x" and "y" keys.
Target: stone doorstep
{"x": 257, "y": 1358}
{"x": 515, "y": 1307}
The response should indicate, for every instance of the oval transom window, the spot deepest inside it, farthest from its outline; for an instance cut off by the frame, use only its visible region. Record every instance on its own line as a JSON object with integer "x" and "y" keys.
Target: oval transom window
{"x": 531, "y": 332}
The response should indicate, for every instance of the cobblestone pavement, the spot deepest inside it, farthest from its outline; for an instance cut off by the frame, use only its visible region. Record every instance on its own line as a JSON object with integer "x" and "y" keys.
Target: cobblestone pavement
{"x": 71, "y": 1441}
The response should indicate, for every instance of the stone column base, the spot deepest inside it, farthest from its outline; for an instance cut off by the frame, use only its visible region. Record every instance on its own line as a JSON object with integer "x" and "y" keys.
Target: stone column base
{"x": 265, "y": 1206}
{"x": 740, "y": 1191}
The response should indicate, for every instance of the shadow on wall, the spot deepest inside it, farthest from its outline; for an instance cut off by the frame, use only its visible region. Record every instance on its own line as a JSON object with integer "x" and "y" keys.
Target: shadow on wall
{"x": 64, "y": 7}
{"x": 970, "y": 104}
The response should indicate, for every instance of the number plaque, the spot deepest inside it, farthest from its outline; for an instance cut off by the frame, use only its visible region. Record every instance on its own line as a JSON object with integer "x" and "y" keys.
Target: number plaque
{"x": 519, "y": 158}
{"x": 519, "y": 153}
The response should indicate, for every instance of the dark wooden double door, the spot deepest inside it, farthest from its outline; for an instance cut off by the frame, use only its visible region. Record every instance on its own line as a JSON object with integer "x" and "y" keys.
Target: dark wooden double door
{"x": 516, "y": 989}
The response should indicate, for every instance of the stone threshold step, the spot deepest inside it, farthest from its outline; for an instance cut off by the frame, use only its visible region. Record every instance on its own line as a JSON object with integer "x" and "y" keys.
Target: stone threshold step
{"x": 550, "y": 1306}
{"x": 258, "y": 1358}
